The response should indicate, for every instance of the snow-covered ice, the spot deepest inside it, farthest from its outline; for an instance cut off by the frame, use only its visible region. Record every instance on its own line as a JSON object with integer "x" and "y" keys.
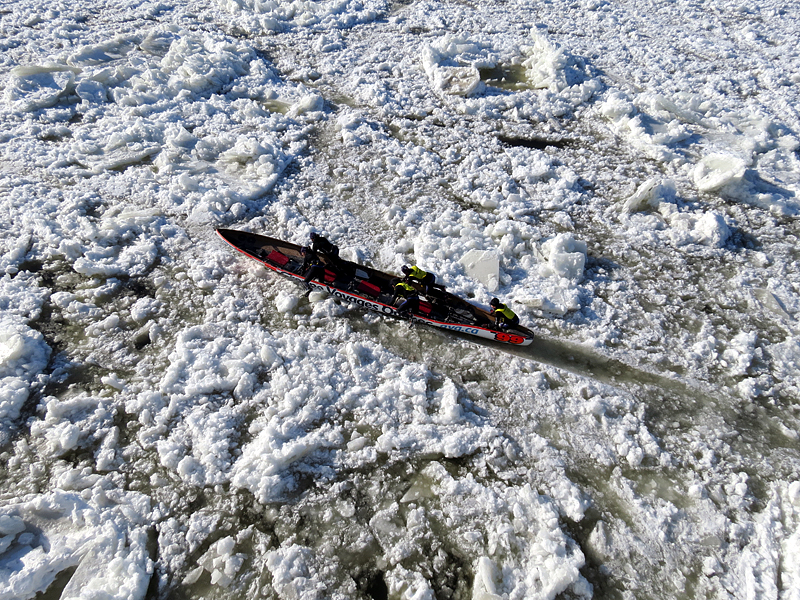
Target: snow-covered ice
{"x": 176, "y": 420}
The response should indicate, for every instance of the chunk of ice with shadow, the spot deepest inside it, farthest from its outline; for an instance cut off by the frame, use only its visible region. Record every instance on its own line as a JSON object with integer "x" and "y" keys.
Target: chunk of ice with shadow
{"x": 483, "y": 265}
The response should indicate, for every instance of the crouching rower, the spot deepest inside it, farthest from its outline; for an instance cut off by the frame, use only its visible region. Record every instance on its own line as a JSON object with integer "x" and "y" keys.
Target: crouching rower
{"x": 504, "y": 317}
{"x": 403, "y": 289}
{"x": 313, "y": 267}
{"x": 417, "y": 274}
{"x": 324, "y": 246}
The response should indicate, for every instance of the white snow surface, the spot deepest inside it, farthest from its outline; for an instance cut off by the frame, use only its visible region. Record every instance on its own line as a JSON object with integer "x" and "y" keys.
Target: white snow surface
{"x": 177, "y": 420}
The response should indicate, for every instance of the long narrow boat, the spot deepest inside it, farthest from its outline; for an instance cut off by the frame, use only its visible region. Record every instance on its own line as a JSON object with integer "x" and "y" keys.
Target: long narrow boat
{"x": 373, "y": 289}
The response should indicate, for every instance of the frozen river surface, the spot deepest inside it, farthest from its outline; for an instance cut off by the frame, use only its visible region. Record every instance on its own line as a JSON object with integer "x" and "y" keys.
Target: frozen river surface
{"x": 177, "y": 422}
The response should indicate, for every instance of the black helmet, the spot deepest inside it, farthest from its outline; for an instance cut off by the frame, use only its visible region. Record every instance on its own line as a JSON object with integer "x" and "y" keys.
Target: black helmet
{"x": 494, "y": 303}
{"x": 313, "y": 235}
{"x": 405, "y": 269}
{"x": 304, "y": 249}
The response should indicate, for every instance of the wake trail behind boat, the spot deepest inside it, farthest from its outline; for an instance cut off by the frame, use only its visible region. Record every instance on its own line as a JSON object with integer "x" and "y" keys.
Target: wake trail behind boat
{"x": 585, "y": 363}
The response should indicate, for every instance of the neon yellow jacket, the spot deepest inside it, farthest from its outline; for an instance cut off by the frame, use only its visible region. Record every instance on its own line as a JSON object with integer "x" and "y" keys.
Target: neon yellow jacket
{"x": 402, "y": 288}
{"x": 417, "y": 273}
{"x": 505, "y": 311}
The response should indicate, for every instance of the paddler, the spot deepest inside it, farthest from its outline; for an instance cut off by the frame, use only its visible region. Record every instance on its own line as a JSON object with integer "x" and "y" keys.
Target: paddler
{"x": 323, "y": 246}
{"x": 313, "y": 266}
{"x": 504, "y": 317}
{"x": 403, "y": 289}
{"x": 416, "y": 274}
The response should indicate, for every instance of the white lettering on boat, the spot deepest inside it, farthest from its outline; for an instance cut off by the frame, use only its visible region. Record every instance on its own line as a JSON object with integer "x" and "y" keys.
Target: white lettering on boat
{"x": 363, "y": 302}
{"x": 462, "y": 328}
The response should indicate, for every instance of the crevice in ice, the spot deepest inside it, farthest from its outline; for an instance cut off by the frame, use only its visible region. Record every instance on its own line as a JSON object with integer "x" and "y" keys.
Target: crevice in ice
{"x": 373, "y": 584}
{"x": 135, "y": 161}
{"x": 141, "y": 340}
{"x": 533, "y": 142}
{"x": 584, "y": 532}
{"x": 740, "y": 239}
{"x": 141, "y": 287}
{"x": 31, "y": 266}
{"x": 54, "y": 590}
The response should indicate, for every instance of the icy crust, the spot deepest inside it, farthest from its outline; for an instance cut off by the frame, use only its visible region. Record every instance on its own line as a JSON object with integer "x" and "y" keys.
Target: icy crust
{"x": 789, "y": 502}
{"x": 454, "y": 67}
{"x": 712, "y": 125}
{"x": 200, "y": 109}
{"x": 512, "y": 181}
{"x": 459, "y": 69}
{"x": 132, "y": 70}
{"x": 537, "y": 273}
{"x": 190, "y": 434}
{"x": 23, "y": 356}
{"x": 725, "y": 547}
{"x": 515, "y": 551}
{"x": 727, "y": 152}
{"x": 21, "y": 298}
{"x": 662, "y": 220}
{"x": 235, "y": 406}
{"x": 121, "y": 242}
{"x": 258, "y": 16}
{"x": 549, "y": 559}
{"x": 321, "y": 446}
{"x": 785, "y": 357}
{"x": 101, "y": 532}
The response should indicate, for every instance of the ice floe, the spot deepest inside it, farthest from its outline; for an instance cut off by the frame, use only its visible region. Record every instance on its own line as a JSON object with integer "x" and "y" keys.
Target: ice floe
{"x": 174, "y": 417}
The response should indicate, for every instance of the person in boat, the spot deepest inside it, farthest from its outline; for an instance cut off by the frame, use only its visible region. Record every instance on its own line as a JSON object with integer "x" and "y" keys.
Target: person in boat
{"x": 330, "y": 253}
{"x": 403, "y": 289}
{"x": 323, "y": 246}
{"x": 416, "y": 274}
{"x": 504, "y": 317}
{"x": 313, "y": 266}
